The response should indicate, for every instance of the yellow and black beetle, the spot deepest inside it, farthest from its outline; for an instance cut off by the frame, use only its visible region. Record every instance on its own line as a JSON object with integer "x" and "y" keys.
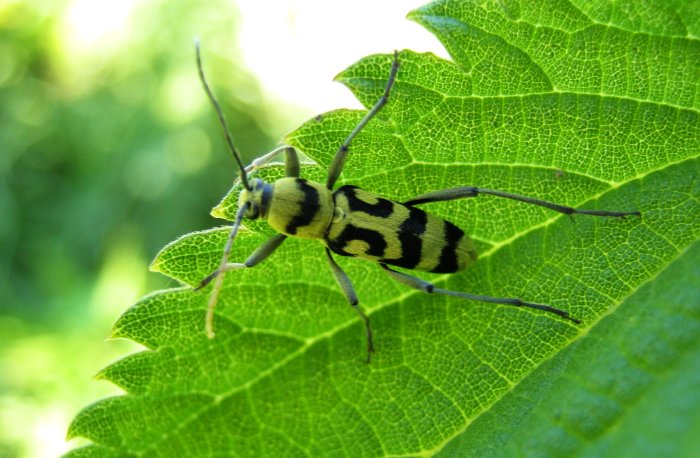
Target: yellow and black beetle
{"x": 353, "y": 222}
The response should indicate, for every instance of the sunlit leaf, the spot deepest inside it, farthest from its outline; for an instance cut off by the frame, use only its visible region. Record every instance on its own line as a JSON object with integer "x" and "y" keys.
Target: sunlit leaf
{"x": 592, "y": 105}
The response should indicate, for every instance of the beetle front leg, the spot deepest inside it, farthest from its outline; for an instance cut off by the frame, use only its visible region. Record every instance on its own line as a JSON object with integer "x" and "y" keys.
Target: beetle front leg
{"x": 339, "y": 160}
{"x": 260, "y": 254}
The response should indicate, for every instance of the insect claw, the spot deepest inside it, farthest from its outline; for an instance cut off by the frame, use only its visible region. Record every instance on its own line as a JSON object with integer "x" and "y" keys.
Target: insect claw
{"x": 631, "y": 214}
{"x": 562, "y": 313}
{"x": 370, "y": 349}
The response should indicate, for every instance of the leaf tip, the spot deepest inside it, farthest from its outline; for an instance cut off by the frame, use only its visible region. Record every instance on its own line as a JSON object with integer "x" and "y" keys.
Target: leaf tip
{"x": 416, "y": 14}
{"x": 75, "y": 428}
{"x": 154, "y": 266}
{"x": 340, "y": 77}
{"x": 100, "y": 375}
{"x": 115, "y": 333}
{"x": 411, "y": 16}
{"x": 219, "y": 211}
{"x": 70, "y": 434}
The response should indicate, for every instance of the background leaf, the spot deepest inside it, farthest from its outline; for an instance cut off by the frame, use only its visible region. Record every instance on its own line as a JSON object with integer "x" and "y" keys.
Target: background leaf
{"x": 592, "y": 106}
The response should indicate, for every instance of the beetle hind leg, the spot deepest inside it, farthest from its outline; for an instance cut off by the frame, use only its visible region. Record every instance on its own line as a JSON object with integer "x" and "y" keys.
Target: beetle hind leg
{"x": 465, "y": 192}
{"x": 427, "y": 287}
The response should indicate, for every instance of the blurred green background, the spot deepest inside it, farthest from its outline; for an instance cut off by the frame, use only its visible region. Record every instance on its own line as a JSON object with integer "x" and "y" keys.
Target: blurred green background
{"x": 108, "y": 151}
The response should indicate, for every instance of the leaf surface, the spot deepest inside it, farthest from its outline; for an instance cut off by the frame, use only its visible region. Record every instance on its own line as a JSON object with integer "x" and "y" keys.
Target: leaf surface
{"x": 587, "y": 104}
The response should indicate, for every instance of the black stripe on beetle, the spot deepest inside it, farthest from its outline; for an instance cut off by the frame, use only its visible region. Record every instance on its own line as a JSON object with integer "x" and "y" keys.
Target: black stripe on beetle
{"x": 375, "y": 241}
{"x": 384, "y": 208}
{"x": 309, "y": 207}
{"x": 448, "y": 256}
{"x": 410, "y": 233}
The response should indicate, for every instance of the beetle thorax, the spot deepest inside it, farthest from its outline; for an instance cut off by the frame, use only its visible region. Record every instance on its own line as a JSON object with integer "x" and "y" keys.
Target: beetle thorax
{"x": 300, "y": 208}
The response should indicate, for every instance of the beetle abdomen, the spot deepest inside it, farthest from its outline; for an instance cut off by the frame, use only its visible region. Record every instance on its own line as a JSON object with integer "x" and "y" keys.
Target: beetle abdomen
{"x": 371, "y": 227}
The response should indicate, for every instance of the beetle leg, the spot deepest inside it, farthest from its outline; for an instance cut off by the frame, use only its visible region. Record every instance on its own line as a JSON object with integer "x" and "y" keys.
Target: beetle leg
{"x": 346, "y": 285}
{"x": 339, "y": 159}
{"x": 427, "y": 287}
{"x": 291, "y": 161}
{"x": 260, "y": 254}
{"x": 464, "y": 192}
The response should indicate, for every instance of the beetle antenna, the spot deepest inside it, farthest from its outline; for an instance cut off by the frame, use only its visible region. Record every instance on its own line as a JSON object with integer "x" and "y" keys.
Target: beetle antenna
{"x": 218, "y": 274}
{"x": 220, "y": 115}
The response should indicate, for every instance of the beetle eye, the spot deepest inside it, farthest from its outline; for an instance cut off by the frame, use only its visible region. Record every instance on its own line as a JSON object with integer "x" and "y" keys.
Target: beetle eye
{"x": 253, "y": 211}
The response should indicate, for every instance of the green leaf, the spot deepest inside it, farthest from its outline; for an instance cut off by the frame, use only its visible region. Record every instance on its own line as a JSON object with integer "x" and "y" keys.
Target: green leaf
{"x": 587, "y": 104}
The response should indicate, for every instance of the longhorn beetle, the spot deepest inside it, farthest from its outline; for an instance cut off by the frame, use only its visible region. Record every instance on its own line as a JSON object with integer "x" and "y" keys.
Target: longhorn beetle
{"x": 353, "y": 222}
